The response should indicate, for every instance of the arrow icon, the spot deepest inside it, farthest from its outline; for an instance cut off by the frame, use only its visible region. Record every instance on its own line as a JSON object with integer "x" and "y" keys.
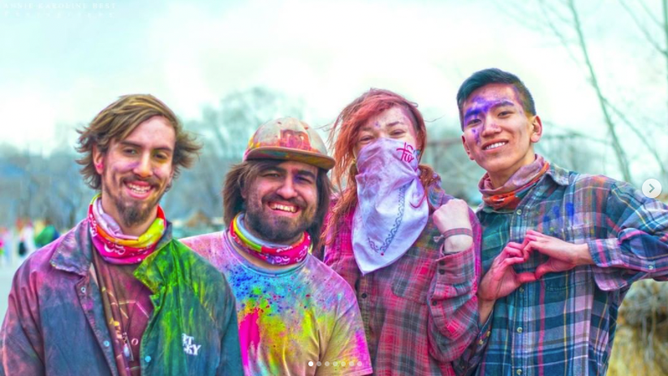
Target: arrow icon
{"x": 651, "y": 188}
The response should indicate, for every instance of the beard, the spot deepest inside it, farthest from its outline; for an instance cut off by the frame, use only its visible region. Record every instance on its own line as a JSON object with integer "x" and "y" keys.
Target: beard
{"x": 133, "y": 212}
{"x": 276, "y": 229}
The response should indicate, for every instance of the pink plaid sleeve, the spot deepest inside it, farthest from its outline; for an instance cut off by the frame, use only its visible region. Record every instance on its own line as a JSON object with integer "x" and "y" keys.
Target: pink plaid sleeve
{"x": 453, "y": 305}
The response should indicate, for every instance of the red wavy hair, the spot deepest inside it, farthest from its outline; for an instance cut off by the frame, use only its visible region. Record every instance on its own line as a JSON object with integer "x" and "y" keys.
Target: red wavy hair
{"x": 343, "y": 137}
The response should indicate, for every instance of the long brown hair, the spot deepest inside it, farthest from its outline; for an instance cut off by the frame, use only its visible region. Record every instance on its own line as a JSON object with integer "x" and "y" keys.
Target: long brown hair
{"x": 242, "y": 175}
{"x": 343, "y": 137}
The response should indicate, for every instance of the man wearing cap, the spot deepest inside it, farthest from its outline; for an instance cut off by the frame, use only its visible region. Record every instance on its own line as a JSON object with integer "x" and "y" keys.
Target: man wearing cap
{"x": 117, "y": 295}
{"x": 560, "y": 249}
{"x": 296, "y": 316}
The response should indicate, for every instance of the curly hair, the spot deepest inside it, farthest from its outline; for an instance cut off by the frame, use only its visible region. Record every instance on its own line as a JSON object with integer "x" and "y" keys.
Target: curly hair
{"x": 343, "y": 137}
{"x": 121, "y": 118}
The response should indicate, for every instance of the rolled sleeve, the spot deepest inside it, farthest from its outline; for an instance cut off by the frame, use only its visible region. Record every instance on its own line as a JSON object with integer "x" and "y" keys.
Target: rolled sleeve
{"x": 453, "y": 305}
{"x": 638, "y": 245}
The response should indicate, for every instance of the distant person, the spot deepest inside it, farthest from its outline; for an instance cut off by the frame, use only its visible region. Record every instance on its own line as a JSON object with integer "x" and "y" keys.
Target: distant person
{"x": 47, "y": 235}
{"x": 560, "y": 249}
{"x": 4, "y": 260}
{"x": 117, "y": 295}
{"x": 7, "y": 239}
{"x": 407, "y": 248}
{"x": 296, "y": 315}
{"x": 26, "y": 242}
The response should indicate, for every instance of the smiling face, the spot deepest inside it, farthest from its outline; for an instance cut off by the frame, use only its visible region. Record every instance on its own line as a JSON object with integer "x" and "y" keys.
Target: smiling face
{"x": 281, "y": 202}
{"x": 393, "y": 123}
{"x": 136, "y": 172}
{"x": 498, "y": 134}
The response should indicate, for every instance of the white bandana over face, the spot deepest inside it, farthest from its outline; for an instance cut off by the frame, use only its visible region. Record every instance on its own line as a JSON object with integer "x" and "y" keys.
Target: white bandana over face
{"x": 392, "y": 209}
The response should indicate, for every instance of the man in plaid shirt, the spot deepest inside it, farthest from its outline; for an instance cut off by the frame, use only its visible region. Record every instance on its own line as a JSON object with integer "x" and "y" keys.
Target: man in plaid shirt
{"x": 560, "y": 249}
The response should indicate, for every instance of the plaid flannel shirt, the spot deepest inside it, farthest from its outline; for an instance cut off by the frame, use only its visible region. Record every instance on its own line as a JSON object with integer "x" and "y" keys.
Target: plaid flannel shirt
{"x": 421, "y": 312}
{"x": 564, "y": 323}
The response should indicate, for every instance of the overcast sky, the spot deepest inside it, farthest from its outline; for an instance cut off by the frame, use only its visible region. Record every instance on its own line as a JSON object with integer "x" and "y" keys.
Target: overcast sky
{"x": 61, "y": 62}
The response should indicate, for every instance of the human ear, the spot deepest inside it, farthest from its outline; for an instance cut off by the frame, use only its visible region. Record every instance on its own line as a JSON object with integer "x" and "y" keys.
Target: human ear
{"x": 98, "y": 160}
{"x": 466, "y": 148}
{"x": 537, "y": 129}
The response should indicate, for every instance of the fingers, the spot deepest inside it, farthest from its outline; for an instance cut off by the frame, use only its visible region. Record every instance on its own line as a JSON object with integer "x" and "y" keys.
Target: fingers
{"x": 526, "y": 277}
{"x": 512, "y": 252}
{"x": 543, "y": 269}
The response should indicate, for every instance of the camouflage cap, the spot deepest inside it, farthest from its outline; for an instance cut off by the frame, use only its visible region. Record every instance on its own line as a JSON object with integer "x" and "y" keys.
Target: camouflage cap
{"x": 288, "y": 139}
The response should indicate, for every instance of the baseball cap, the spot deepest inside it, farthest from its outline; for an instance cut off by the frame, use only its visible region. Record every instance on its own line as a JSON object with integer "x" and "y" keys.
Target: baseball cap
{"x": 288, "y": 139}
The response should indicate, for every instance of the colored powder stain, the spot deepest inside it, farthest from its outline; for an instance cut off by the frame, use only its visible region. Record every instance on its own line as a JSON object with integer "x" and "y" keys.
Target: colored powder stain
{"x": 570, "y": 210}
{"x": 249, "y": 335}
{"x": 557, "y": 216}
{"x": 546, "y": 224}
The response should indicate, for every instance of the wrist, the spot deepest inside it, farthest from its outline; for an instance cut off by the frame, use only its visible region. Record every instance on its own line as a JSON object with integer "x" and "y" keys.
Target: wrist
{"x": 457, "y": 243}
{"x": 584, "y": 255}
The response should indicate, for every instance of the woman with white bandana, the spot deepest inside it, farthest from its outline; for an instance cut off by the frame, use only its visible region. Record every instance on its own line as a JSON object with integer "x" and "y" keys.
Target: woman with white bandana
{"x": 409, "y": 250}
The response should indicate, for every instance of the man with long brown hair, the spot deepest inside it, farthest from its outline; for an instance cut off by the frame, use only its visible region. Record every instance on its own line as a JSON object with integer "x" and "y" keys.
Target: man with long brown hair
{"x": 408, "y": 249}
{"x": 117, "y": 295}
{"x": 296, "y": 315}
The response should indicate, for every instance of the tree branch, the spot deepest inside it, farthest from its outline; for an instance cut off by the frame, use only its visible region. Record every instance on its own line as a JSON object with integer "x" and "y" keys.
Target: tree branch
{"x": 644, "y": 30}
{"x": 619, "y": 151}
{"x": 642, "y": 137}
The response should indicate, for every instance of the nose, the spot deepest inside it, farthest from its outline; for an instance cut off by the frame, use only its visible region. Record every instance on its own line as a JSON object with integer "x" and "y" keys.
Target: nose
{"x": 143, "y": 167}
{"x": 490, "y": 127}
{"x": 287, "y": 189}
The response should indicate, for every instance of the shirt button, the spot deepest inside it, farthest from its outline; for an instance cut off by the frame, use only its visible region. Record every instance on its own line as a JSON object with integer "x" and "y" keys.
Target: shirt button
{"x": 106, "y": 343}
{"x": 364, "y": 295}
{"x": 434, "y": 302}
{"x": 651, "y": 267}
{"x": 442, "y": 262}
{"x": 519, "y": 330}
{"x": 521, "y": 289}
{"x": 519, "y": 212}
{"x": 519, "y": 372}
{"x": 147, "y": 359}
{"x": 83, "y": 289}
{"x": 481, "y": 342}
{"x": 441, "y": 271}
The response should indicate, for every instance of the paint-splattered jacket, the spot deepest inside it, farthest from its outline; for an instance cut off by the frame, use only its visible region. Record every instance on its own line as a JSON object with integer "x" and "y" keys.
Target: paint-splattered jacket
{"x": 420, "y": 313}
{"x": 564, "y": 323}
{"x": 55, "y": 322}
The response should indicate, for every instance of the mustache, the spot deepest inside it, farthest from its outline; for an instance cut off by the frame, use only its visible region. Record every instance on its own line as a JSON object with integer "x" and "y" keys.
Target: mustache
{"x": 296, "y": 201}
{"x": 150, "y": 180}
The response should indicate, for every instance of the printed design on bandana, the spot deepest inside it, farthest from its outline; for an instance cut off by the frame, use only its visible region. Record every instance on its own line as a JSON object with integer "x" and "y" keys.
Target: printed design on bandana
{"x": 281, "y": 255}
{"x": 395, "y": 227}
{"x": 116, "y": 247}
{"x": 189, "y": 345}
{"x": 407, "y": 153}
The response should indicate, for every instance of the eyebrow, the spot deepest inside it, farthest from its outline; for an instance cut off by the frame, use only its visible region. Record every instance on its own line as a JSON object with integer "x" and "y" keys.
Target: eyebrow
{"x": 138, "y": 146}
{"x": 299, "y": 172}
{"x": 479, "y": 110}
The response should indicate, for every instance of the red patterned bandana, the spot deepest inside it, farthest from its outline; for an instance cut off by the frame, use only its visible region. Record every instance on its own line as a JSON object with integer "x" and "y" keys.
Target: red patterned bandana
{"x": 117, "y": 248}
{"x": 269, "y": 253}
{"x": 511, "y": 193}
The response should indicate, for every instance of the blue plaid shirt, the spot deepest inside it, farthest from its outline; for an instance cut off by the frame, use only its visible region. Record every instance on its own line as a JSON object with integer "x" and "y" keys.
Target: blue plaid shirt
{"x": 564, "y": 323}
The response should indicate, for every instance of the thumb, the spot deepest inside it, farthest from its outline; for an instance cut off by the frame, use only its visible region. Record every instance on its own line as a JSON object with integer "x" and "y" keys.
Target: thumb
{"x": 543, "y": 269}
{"x": 526, "y": 277}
